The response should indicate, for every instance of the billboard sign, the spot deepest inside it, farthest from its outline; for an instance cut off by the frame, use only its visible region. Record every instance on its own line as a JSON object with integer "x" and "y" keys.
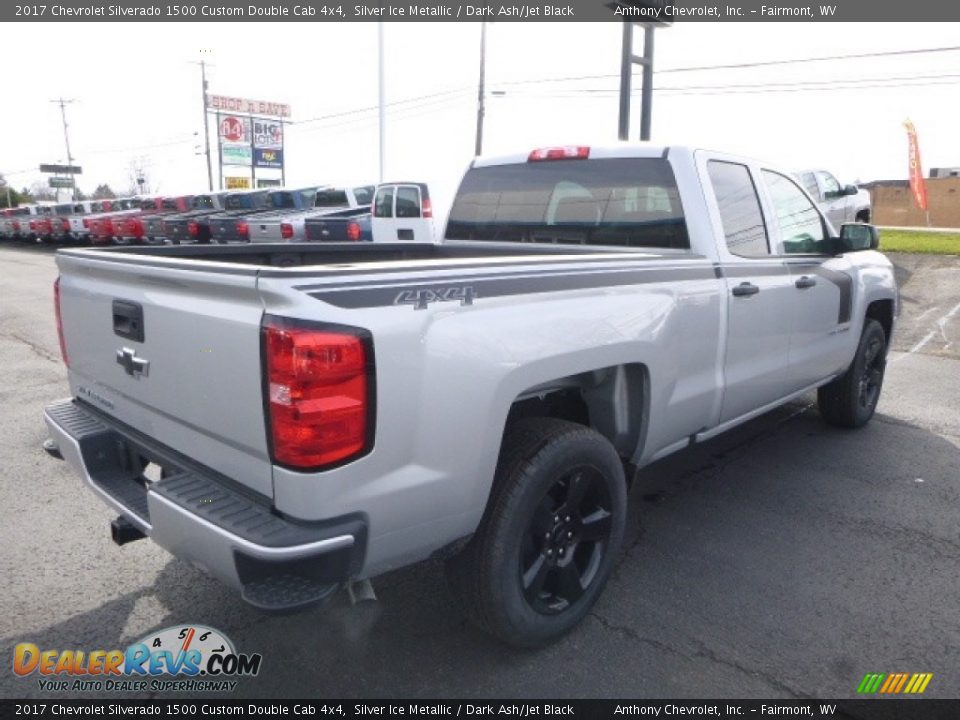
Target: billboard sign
{"x": 265, "y": 183}
{"x": 237, "y": 183}
{"x": 61, "y": 182}
{"x": 234, "y": 129}
{"x": 267, "y": 134}
{"x": 236, "y": 154}
{"x": 267, "y": 158}
{"x": 225, "y": 103}
{"x": 61, "y": 169}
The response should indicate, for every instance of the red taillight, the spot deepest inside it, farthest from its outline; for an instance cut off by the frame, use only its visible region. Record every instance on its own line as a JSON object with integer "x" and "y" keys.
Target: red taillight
{"x": 56, "y": 310}
{"x": 16, "y": 226}
{"x": 243, "y": 229}
{"x": 353, "y": 231}
{"x": 286, "y": 231}
{"x": 106, "y": 227}
{"x": 426, "y": 208}
{"x": 567, "y": 152}
{"x": 33, "y": 224}
{"x": 65, "y": 225}
{"x": 136, "y": 227}
{"x": 318, "y": 395}
{"x": 86, "y": 223}
{"x": 193, "y": 229}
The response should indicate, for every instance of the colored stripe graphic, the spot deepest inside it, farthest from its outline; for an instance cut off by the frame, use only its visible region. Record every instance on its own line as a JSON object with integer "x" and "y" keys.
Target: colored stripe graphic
{"x": 894, "y": 683}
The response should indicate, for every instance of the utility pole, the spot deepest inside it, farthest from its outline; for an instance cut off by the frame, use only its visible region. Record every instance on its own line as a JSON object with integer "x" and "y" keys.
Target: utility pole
{"x": 206, "y": 122}
{"x": 481, "y": 92}
{"x": 381, "y": 93}
{"x": 66, "y": 137}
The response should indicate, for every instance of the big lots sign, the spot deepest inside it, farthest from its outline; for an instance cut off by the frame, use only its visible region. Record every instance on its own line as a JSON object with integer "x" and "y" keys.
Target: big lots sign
{"x": 245, "y": 105}
{"x": 267, "y": 134}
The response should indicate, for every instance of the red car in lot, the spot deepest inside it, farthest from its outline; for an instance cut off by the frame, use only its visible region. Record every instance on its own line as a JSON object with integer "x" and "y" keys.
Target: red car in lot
{"x": 103, "y": 228}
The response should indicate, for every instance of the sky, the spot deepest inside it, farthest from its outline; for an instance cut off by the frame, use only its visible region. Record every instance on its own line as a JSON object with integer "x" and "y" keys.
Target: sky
{"x": 136, "y": 95}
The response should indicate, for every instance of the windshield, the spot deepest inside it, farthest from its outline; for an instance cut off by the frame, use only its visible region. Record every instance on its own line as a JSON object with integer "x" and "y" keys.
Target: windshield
{"x": 626, "y": 202}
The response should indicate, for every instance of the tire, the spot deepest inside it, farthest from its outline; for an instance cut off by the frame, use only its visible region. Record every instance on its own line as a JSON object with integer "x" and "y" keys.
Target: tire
{"x": 550, "y": 536}
{"x": 851, "y": 399}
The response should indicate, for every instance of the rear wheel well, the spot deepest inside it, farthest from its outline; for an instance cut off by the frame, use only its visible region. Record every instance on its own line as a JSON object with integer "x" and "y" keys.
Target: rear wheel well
{"x": 882, "y": 312}
{"x": 610, "y": 400}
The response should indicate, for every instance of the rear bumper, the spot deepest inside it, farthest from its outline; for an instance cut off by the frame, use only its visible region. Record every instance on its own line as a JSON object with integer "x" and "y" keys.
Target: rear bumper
{"x": 277, "y": 563}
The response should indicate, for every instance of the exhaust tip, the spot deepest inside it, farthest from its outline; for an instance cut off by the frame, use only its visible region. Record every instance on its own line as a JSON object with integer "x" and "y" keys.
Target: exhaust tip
{"x": 122, "y": 531}
{"x": 51, "y": 448}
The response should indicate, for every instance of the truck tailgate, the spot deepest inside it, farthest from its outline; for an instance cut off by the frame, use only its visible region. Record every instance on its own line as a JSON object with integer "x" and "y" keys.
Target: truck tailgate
{"x": 192, "y": 381}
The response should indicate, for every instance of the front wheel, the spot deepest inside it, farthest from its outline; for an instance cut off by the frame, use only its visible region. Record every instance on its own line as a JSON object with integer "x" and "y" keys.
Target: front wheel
{"x": 551, "y": 534}
{"x": 851, "y": 399}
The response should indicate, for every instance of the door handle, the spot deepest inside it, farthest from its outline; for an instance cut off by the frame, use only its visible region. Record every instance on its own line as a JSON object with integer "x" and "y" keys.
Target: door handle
{"x": 744, "y": 289}
{"x": 806, "y": 282}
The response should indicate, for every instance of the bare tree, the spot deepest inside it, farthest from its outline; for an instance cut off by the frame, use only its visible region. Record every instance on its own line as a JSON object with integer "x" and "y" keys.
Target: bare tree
{"x": 138, "y": 176}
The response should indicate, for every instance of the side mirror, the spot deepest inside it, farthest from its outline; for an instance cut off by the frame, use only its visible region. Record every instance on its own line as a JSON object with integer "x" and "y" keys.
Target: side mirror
{"x": 850, "y": 190}
{"x": 855, "y": 237}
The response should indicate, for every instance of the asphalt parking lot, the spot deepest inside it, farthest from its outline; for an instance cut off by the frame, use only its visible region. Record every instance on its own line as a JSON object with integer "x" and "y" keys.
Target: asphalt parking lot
{"x": 785, "y": 559}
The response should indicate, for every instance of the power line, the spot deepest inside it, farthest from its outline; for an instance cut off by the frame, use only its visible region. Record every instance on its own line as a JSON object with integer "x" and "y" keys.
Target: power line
{"x": 739, "y": 66}
{"x": 295, "y": 125}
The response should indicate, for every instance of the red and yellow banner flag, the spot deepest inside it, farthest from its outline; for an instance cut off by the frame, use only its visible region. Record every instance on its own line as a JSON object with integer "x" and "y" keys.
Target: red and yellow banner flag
{"x": 918, "y": 186}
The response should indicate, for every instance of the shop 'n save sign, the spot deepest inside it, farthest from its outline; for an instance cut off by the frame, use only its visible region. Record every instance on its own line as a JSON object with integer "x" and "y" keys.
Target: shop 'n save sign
{"x": 245, "y": 105}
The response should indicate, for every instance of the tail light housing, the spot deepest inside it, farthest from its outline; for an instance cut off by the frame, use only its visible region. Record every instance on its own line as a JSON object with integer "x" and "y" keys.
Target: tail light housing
{"x": 426, "y": 208}
{"x": 193, "y": 230}
{"x": 65, "y": 225}
{"x": 59, "y": 315}
{"x": 33, "y": 224}
{"x": 243, "y": 229}
{"x": 86, "y": 223}
{"x": 135, "y": 227}
{"x": 319, "y": 392}
{"x": 16, "y": 226}
{"x": 286, "y": 231}
{"x": 353, "y": 231}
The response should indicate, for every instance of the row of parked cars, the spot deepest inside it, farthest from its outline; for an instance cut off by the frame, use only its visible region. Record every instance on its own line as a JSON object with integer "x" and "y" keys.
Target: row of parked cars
{"x": 317, "y": 213}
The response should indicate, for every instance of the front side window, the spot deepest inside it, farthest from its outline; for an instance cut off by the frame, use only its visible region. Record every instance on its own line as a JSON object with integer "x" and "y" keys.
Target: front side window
{"x": 740, "y": 214}
{"x": 831, "y": 188}
{"x": 809, "y": 182}
{"x": 801, "y": 227}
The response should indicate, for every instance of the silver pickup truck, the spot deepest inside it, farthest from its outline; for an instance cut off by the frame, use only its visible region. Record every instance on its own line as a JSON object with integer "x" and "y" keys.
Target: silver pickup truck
{"x": 325, "y": 413}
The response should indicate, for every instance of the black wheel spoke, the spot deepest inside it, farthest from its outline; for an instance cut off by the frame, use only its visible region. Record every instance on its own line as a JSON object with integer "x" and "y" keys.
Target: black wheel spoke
{"x": 568, "y": 578}
{"x": 577, "y": 487}
{"x": 534, "y": 577}
{"x": 596, "y": 526}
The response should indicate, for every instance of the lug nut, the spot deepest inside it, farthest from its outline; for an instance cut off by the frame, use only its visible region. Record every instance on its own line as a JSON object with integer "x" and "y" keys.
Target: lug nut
{"x": 569, "y": 534}
{"x": 549, "y": 553}
{"x": 567, "y": 518}
{"x": 548, "y": 535}
{"x": 556, "y": 518}
{"x": 561, "y": 552}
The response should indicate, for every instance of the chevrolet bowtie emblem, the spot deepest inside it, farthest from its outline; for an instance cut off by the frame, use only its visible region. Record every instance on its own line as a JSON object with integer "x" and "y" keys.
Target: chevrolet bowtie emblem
{"x": 134, "y": 366}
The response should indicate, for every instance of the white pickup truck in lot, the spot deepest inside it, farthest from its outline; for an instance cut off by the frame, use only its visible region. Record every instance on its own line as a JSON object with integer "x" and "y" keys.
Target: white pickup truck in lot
{"x": 326, "y": 413}
{"x": 840, "y": 203}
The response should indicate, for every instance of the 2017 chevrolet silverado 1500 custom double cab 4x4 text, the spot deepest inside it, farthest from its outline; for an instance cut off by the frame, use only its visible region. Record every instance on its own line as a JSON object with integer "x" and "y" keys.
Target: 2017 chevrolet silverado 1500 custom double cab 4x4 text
{"x": 326, "y": 413}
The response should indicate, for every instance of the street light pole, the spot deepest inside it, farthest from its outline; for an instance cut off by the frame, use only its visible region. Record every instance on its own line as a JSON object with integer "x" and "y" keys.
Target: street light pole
{"x": 478, "y": 148}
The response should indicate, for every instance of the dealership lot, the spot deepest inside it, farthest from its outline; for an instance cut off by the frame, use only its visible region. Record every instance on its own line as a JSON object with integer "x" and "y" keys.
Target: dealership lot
{"x": 784, "y": 559}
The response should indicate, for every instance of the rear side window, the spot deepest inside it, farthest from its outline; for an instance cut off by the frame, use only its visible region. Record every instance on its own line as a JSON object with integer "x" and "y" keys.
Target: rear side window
{"x": 408, "y": 202}
{"x": 810, "y": 185}
{"x": 740, "y": 213}
{"x": 626, "y": 202}
{"x": 383, "y": 205}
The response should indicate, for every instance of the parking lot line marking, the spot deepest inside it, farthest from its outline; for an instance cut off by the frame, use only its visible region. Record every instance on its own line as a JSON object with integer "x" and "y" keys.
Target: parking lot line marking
{"x": 926, "y": 312}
